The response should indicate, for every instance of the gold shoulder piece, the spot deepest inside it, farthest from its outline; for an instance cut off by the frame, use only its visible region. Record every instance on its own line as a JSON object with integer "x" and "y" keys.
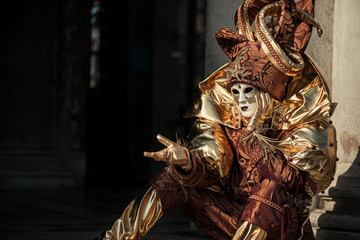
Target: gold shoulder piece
{"x": 215, "y": 103}
{"x": 312, "y": 148}
{"x": 210, "y": 144}
{"x": 308, "y": 99}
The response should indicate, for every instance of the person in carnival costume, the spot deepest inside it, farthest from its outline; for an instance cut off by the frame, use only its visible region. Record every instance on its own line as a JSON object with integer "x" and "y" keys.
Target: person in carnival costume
{"x": 261, "y": 146}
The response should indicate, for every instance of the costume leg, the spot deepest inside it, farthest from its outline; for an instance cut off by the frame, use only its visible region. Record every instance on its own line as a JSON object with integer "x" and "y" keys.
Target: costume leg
{"x": 144, "y": 211}
{"x": 137, "y": 219}
{"x": 215, "y": 214}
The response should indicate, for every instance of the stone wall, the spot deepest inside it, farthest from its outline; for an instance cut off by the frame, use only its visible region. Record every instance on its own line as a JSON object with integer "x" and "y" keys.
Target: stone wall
{"x": 337, "y": 213}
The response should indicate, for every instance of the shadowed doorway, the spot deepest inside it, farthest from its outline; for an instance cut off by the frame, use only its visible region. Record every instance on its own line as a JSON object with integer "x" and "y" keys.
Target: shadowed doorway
{"x": 146, "y": 59}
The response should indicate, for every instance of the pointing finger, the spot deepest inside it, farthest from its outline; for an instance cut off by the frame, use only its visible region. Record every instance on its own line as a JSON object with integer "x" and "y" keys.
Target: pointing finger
{"x": 157, "y": 156}
{"x": 148, "y": 154}
{"x": 167, "y": 142}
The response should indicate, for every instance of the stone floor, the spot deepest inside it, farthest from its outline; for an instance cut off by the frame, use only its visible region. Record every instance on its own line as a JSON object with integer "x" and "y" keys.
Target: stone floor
{"x": 79, "y": 214}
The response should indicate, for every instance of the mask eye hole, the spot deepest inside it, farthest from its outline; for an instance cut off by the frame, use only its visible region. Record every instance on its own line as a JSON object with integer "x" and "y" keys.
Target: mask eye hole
{"x": 249, "y": 90}
{"x": 235, "y": 91}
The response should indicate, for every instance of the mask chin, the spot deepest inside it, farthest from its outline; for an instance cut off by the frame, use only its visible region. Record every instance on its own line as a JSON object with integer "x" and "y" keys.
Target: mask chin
{"x": 248, "y": 113}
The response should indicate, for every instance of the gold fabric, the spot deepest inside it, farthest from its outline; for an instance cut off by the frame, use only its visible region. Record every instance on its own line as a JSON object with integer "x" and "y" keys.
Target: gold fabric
{"x": 245, "y": 28}
{"x": 308, "y": 99}
{"x": 311, "y": 145}
{"x": 249, "y": 231}
{"x": 138, "y": 218}
{"x": 312, "y": 148}
{"x": 265, "y": 110}
{"x": 174, "y": 154}
{"x": 212, "y": 146}
{"x": 216, "y": 103}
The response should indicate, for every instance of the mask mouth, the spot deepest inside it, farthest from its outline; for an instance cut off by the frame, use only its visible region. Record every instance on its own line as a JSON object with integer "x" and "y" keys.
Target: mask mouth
{"x": 244, "y": 108}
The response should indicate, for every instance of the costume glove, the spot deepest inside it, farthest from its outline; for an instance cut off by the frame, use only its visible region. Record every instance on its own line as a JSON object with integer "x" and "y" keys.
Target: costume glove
{"x": 173, "y": 154}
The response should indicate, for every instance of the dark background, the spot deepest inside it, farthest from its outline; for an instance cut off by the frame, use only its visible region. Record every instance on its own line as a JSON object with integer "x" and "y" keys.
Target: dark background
{"x": 87, "y": 85}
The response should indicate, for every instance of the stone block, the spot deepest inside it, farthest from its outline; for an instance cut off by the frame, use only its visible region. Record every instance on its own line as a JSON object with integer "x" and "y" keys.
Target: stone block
{"x": 338, "y": 222}
{"x": 325, "y": 234}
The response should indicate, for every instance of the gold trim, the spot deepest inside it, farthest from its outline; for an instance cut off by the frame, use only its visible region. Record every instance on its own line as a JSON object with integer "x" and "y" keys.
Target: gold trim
{"x": 265, "y": 201}
{"x": 271, "y": 48}
{"x": 244, "y": 20}
{"x": 307, "y": 213}
{"x": 278, "y": 57}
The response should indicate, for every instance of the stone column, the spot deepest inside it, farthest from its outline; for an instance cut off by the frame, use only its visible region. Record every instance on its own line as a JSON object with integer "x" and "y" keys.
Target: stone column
{"x": 337, "y": 213}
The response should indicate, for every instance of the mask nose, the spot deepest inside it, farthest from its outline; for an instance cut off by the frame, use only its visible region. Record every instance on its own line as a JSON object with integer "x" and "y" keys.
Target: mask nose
{"x": 242, "y": 98}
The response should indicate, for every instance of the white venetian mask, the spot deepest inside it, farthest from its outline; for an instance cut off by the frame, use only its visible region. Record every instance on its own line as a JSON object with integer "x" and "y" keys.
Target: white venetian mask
{"x": 245, "y": 96}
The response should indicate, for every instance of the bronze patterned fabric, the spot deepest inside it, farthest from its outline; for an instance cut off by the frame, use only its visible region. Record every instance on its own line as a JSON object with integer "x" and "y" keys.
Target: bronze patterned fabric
{"x": 301, "y": 31}
{"x": 258, "y": 70}
{"x": 269, "y": 218}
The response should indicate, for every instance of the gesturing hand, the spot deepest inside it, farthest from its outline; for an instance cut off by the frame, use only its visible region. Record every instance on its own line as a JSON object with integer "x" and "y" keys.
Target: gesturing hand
{"x": 173, "y": 154}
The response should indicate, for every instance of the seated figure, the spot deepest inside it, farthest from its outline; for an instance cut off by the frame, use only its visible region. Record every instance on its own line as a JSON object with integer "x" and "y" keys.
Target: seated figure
{"x": 261, "y": 146}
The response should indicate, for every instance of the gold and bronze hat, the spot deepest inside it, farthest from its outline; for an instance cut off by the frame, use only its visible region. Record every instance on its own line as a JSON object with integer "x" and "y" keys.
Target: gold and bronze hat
{"x": 267, "y": 49}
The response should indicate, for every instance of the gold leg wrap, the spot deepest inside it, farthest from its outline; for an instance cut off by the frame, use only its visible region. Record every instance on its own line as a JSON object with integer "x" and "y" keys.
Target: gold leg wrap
{"x": 138, "y": 218}
{"x": 249, "y": 231}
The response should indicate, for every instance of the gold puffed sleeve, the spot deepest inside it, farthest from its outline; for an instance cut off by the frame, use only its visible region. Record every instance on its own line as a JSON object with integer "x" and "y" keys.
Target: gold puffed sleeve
{"x": 210, "y": 145}
{"x": 311, "y": 148}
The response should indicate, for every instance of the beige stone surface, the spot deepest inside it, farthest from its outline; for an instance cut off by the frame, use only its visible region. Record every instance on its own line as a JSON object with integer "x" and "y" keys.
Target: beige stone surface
{"x": 321, "y": 48}
{"x": 338, "y": 54}
{"x": 345, "y": 80}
